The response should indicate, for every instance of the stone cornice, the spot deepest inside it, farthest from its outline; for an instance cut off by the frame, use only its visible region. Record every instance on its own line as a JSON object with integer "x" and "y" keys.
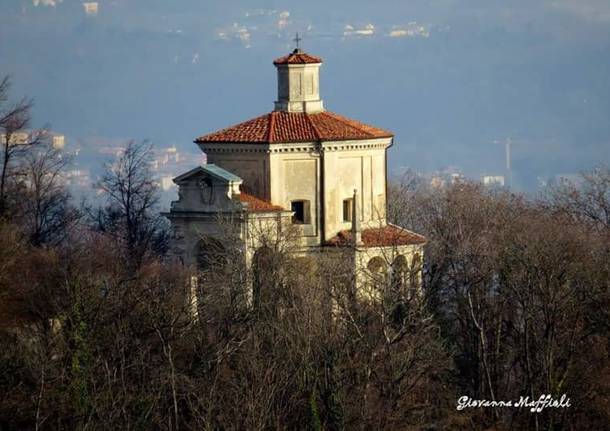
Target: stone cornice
{"x": 304, "y": 147}
{"x": 239, "y": 216}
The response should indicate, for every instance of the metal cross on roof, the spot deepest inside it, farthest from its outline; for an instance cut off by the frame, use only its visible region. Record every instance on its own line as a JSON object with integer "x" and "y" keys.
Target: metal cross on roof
{"x": 297, "y": 39}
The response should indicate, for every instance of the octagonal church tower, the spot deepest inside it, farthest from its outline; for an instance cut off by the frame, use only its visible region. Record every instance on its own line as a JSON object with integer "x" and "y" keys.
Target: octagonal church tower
{"x": 299, "y": 164}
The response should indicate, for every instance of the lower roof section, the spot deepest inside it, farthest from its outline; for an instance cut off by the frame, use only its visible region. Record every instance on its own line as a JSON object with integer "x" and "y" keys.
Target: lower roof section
{"x": 386, "y": 236}
{"x": 256, "y": 204}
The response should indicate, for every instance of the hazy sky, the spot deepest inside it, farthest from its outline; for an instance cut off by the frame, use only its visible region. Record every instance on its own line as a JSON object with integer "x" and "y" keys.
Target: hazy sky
{"x": 448, "y": 77}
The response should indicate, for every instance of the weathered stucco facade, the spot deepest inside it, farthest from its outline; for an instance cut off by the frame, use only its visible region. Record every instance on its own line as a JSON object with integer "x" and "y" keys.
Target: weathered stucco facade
{"x": 298, "y": 166}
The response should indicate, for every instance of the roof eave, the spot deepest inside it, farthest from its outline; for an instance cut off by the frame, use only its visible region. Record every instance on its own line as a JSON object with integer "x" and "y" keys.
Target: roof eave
{"x": 295, "y": 141}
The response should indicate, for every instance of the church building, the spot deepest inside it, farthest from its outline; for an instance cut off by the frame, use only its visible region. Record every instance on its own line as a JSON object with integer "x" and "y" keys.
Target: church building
{"x": 300, "y": 167}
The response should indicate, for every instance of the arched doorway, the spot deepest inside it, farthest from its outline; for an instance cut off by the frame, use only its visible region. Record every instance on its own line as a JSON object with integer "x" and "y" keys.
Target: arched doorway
{"x": 211, "y": 262}
{"x": 265, "y": 277}
{"x": 211, "y": 257}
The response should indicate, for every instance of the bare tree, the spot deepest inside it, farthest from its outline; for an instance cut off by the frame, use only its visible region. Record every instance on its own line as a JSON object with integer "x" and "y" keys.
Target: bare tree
{"x": 130, "y": 213}
{"x": 588, "y": 201}
{"x": 14, "y": 138}
{"x": 46, "y": 211}
{"x": 514, "y": 302}
{"x": 518, "y": 287}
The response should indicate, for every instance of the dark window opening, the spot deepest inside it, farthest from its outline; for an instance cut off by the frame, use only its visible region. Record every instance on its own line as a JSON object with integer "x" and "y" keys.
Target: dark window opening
{"x": 301, "y": 212}
{"x": 347, "y": 209}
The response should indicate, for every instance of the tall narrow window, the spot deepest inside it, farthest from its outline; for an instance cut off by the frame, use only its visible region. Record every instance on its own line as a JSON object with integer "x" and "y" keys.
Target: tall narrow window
{"x": 415, "y": 272}
{"x": 347, "y": 209}
{"x": 301, "y": 212}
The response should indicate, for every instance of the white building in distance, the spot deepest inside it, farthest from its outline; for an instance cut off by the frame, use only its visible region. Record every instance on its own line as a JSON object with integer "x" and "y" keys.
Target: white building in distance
{"x": 493, "y": 180}
{"x": 91, "y": 8}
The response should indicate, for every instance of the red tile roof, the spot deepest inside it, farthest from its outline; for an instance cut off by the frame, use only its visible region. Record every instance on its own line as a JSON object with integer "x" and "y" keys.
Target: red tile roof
{"x": 279, "y": 126}
{"x": 389, "y": 235}
{"x": 257, "y": 204}
{"x": 297, "y": 57}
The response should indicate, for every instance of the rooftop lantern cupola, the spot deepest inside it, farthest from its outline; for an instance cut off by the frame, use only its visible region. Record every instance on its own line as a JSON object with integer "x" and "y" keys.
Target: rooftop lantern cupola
{"x": 298, "y": 82}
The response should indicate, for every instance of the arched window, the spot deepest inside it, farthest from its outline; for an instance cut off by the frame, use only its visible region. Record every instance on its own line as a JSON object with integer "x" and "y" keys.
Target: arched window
{"x": 377, "y": 270}
{"x": 399, "y": 295}
{"x": 415, "y": 271}
{"x": 400, "y": 268}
